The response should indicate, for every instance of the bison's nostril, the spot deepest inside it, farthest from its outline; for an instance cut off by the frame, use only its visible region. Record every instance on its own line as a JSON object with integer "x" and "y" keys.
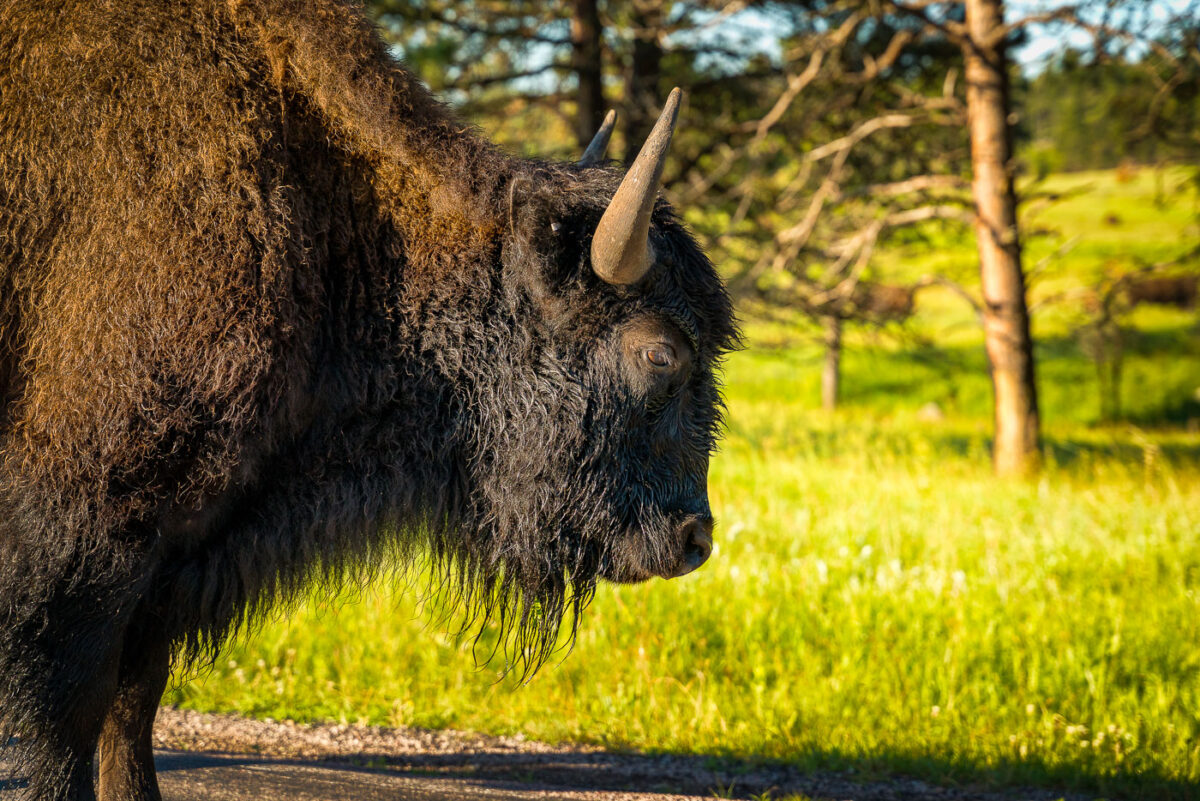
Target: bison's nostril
{"x": 696, "y": 534}
{"x": 698, "y": 547}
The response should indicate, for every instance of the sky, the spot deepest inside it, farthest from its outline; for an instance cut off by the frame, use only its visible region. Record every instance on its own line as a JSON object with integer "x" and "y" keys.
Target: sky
{"x": 1047, "y": 41}
{"x": 755, "y": 30}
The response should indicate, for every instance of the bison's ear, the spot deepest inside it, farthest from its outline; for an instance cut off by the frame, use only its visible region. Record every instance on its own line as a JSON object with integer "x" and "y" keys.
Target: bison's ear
{"x": 545, "y": 243}
{"x": 621, "y": 252}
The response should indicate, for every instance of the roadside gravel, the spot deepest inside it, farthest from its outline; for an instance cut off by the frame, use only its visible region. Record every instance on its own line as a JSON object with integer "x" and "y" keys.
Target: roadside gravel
{"x": 514, "y": 767}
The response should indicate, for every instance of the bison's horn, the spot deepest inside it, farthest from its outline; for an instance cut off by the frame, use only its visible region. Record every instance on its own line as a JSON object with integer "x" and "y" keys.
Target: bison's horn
{"x": 595, "y": 150}
{"x": 621, "y": 246}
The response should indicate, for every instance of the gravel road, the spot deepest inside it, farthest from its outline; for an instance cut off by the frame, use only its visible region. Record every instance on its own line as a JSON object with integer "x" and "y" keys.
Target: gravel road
{"x": 226, "y": 758}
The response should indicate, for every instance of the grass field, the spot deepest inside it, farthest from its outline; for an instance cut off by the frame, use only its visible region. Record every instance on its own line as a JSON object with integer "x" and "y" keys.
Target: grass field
{"x": 876, "y": 601}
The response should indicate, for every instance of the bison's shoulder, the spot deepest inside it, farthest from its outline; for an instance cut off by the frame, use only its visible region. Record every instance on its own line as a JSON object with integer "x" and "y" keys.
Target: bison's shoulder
{"x": 160, "y": 253}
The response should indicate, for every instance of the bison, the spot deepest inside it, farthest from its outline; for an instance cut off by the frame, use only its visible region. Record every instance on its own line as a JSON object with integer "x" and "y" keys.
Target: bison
{"x": 1179, "y": 291}
{"x": 270, "y": 313}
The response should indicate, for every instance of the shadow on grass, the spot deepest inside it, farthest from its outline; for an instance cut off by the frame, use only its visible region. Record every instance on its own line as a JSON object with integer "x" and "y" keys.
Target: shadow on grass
{"x": 829, "y": 775}
{"x": 1180, "y": 412}
{"x": 1071, "y": 452}
{"x": 884, "y": 379}
{"x": 1066, "y": 452}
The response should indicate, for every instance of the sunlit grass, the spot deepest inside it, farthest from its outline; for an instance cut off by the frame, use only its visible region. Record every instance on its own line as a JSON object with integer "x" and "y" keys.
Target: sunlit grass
{"x": 876, "y": 599}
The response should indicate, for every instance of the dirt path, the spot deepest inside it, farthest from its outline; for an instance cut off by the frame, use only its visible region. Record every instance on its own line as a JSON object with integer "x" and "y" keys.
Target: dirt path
{"x": 185, "y": 776}
{"x": 227, "y": 758}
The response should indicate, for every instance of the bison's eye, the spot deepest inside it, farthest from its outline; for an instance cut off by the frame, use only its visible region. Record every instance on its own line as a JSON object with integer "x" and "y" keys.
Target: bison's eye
{"x": 660, "y": 356}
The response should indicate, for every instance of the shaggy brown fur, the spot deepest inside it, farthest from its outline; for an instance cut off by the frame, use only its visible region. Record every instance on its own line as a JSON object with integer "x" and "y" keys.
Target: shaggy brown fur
{"x": 269, "y": 311}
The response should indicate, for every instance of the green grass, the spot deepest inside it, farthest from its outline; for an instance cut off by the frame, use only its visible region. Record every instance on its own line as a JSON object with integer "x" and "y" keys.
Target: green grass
{"x": 876, "y": 601}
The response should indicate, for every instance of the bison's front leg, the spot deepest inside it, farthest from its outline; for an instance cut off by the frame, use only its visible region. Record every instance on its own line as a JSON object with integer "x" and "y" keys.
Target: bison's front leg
{"x": 61, "y": 675}
{"x": 126, "y": 746}
{"x": 66, "y": 606}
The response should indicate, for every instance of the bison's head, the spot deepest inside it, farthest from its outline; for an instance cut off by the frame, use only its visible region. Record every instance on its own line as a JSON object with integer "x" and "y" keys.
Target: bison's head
{"x": 595, "y": 401}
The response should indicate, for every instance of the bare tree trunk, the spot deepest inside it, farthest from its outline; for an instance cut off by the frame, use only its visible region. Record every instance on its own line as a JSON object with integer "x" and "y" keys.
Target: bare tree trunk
{"x": 645, "y": 71}
{"x": 1105, "y": 371}
{"x": 586, "y": 61}
{"x": 1115, "y": 367}
{"x": 831, "y": 373}
{"x": 1005, "y": 314}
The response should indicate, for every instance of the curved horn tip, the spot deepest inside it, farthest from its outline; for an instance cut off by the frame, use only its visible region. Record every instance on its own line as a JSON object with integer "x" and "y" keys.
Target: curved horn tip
{"x": 673, "y": 100}
{"x": 652, "y": 156}
{"x": 595, "y": 149}
{"x": 621, "y": 252}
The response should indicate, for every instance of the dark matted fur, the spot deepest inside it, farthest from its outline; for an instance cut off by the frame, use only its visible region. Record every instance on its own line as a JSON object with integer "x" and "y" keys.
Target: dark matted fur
{"x": 268, "y": 311}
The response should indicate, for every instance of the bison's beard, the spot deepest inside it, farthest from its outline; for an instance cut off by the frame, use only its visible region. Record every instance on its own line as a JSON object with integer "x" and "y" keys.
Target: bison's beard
{"x": 524, "y": 565}
{"x": 519, "y": 588}
{"x": 518, "y": 576}
{"x": 513, "y": 614}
